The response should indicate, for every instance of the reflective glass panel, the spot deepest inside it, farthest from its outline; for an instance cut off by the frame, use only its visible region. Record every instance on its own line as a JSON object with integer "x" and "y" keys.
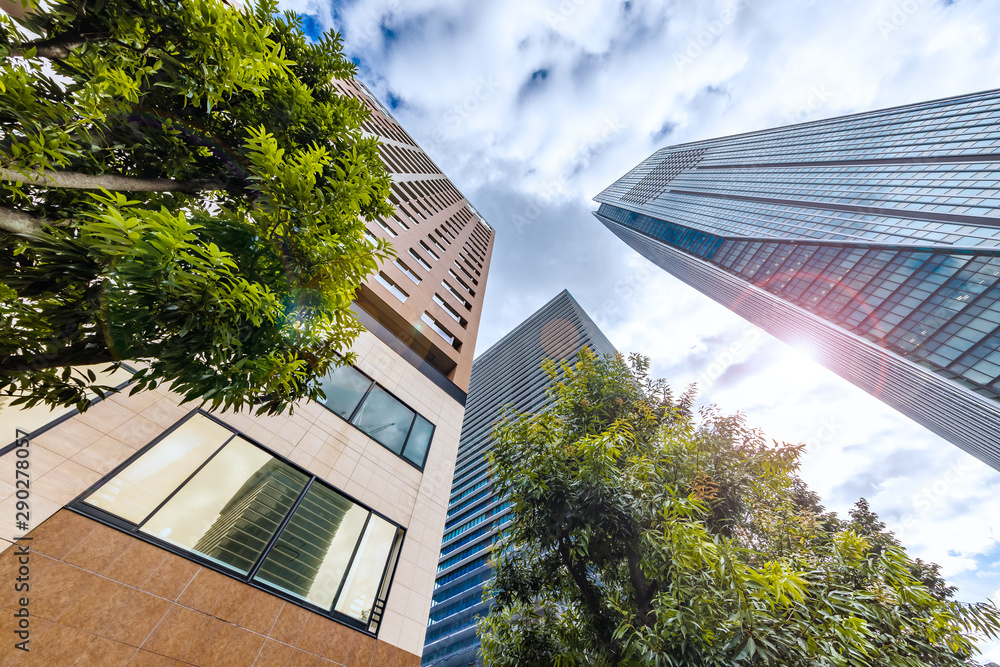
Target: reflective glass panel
{"x": 311, "y": 556}
{"x": 344, "y": 389}
{"x": 361, "y": 586}
{"x": 385, "y": 419}
{"x": 231, "y": 509}
{"x": 138, "y": 489}
{"x": 419, "y": 441}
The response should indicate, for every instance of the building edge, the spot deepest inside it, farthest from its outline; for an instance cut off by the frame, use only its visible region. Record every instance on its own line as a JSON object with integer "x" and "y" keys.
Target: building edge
{"x": 951, "y": 411}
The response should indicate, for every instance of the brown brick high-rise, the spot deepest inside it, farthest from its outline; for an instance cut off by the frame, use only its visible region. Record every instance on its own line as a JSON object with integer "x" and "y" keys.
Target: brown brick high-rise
{"x": 431, "y": 296}
{"x": 161, "y": 534}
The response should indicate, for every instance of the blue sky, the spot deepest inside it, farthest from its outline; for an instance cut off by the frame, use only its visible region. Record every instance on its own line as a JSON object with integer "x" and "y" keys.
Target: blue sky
{"x": 532, "y": 107}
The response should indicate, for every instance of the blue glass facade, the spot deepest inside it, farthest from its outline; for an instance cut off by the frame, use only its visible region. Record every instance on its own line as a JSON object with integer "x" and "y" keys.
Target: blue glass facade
{"x": 881, "y": 230}
{"x": 507, "y": 374}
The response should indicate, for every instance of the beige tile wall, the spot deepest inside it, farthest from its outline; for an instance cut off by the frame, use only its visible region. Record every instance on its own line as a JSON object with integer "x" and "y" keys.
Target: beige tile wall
{"x": 101, "y": 597}
{"x": 70, "y": 457}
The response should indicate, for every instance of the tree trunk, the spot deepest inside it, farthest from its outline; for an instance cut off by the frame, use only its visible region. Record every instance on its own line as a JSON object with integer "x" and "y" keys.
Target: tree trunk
{"x": 644, "y": 593}
{"x": 592, "y": 599}
{"x": 76, "y": 181}
{"x": 53, "y": 49}
{"x": 19, "y": 222}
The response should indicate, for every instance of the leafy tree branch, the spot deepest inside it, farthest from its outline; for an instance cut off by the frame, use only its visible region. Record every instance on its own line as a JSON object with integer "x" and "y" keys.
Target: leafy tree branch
{"x": 181, "y": 185}
{"x": 644, "y": 534}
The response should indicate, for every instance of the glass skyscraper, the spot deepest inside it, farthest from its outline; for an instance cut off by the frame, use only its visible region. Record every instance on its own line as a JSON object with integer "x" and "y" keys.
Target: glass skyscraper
{"x": 508, "y": 374}
{"x": 871, "y": 240}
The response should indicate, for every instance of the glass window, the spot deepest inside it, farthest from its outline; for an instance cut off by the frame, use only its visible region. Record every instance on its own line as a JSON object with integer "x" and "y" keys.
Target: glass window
{"x": 379, "y": 414}
{"x": 419, "y": 441}
{"x": 232, "y": 508}
{"x": 438, "y": 328}
{"x": 312, "y": 555}
{"x": 361, "y": 585}
{"x": 206, "y": 490}
{"x": 391, "y": 286}
{"x": 344, "y": 389}
{"x": 140, "y": 488}
{"x": 384, "y": 418}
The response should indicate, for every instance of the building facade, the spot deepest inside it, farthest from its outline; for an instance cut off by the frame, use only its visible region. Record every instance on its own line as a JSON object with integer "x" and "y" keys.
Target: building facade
{"x": 431, "y": 296}
{"x": 509, "y": 373}
{"x": 871, "y": 240}
{"x": 159, "y": 533}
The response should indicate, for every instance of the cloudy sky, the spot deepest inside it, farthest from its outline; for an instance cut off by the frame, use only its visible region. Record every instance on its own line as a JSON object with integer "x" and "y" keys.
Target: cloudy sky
{"x": 532, "y": 107}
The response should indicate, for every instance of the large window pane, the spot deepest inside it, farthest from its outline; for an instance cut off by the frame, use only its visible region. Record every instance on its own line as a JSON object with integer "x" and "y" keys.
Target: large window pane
{"x": 137, "y": 490}
{"x": 385, "y": 419}
{"x": 383, "y": 593}
{"x": 231, "y": 509}
{"x": 311, "y": 556}
{"x": 361, "y": 586}
{"x": 211, "y": 492}
{"x": 419, "y": 440}
{"x": 344, "y": 389}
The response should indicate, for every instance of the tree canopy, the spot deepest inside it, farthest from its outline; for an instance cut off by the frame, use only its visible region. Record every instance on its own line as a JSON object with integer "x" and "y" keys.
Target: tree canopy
{"x": 182, "y": 185}
{"x": 645, "y": 534}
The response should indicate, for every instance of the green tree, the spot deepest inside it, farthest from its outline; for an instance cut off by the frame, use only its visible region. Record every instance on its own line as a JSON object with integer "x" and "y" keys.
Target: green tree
{"x": 181, "y": 184}
{"x": 644, "y": 534}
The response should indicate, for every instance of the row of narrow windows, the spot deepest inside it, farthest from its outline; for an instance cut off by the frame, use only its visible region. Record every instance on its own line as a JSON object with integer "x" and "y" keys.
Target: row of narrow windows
{"x": 403, "y": 161}
{"x": 379, "y": 122}
{"x": 375, "y": 125}
{"x": 423, "y": 200}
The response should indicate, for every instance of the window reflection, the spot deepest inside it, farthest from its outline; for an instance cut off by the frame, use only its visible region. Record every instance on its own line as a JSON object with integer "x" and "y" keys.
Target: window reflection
{"x": 206, "y": 490}
{"x": 310, "y": 558}
{"x": 344, "y": 389}
{"x": 419, "y": 441}
{"x": 385, "y": 419}
{"x": 139, "y": 489}
{"x": 231, "y": 509}
{"x": 358, "y": 595}
{"x": 379, "y": 414}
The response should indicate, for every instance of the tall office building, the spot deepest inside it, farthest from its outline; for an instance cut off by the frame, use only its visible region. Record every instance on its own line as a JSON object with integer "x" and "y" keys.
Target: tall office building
{"x": 431, "y": 296}
{"x": 509, "y": 373}
{"x": 166, "y": 534}
{"x": 872, "y": 240}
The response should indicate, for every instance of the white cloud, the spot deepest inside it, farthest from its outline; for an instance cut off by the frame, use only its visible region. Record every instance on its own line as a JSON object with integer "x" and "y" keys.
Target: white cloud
{"x": 610, "y": 76}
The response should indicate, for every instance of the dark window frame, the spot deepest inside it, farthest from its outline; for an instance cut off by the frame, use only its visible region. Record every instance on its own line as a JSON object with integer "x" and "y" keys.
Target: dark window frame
{"x": 80, "y": 506}
{"x": 357, "y": 410}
